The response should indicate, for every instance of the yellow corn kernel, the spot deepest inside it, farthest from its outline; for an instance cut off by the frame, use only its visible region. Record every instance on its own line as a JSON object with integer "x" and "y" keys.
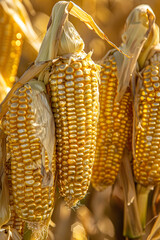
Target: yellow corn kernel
{"x": 11, "y": 38}
{"x": 14, "y": 222}
{"x": 33, "y": 201}
{"x": 113, "y": 127}
{"x": 73, "y": 88}
{"x": 146, "y": 162}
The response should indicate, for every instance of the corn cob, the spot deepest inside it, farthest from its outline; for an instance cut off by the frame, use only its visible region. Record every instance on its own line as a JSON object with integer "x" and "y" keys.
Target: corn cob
{"x": 113, "y": 127}
{"x": 147, "y": 155}
{"x": 11, "y": 45}
{"x": 115, "y": 120}
{"x": 33, "y": 201}
{"x": 74, "y": 95}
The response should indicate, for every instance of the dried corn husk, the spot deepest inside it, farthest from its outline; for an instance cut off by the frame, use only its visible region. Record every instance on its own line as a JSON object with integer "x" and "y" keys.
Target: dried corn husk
{"x": 139, "y": 24}
{"x": 132, "y": 225}
{"x": 45, "y": 128}
{"x": 155, "y": 232}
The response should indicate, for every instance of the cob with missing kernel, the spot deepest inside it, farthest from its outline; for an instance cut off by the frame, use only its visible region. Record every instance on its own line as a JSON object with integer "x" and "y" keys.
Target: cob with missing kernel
{"x": 72, "y": 83}
{"x": 29, "y": 127}
{"x": 14, "y": 27}
{"x": 146, "y": 122}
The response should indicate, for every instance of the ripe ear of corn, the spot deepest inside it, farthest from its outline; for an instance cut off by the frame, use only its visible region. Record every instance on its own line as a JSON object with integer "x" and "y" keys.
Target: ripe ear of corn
{"x": 147, "y": 116}
{"x": 146, "y": 113}
{"x": 73, "y": 87}
{"x": 115, "y": 120}
{"x": 72, "y": 82}
{"x": 113, "y": 127}
{"x": 27, "y": 125}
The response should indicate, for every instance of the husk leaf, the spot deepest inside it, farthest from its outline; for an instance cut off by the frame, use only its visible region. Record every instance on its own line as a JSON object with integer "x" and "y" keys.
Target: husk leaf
{"x": 142, "y": 199}
{"x": 76, "y": 11}
{"x": 152, "y": 41}
{"x": 132, "y": 225}
{"x": 4, "y": 190}
{"x": 138, "y": 27}
{"x": 45, "y": 128}
{"x": 155, "y": 229}
{"x": 19, "y": 14}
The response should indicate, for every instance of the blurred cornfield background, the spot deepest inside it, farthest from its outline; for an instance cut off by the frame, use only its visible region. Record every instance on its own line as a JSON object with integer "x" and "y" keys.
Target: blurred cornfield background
{"x": 100, "y": 215}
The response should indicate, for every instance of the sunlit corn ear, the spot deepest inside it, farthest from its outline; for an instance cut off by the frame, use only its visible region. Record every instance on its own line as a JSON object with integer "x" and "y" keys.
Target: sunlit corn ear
{"x": 139, "y": 24}
{"x": 147, "y": 123}
{"x": 73, "y": 88}
{"x": 29, "y": 127}
{"x": 115, "y": 120}
{"x": 14, "y": 27}
{"x": 114, "y": 126}
{"x": 72, "y": 85}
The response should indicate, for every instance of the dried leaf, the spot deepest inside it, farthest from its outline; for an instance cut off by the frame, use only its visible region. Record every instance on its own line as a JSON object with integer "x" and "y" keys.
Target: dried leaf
{"x": 154, "y": 230}
{"x": 132, "y": 225}
{"x": 45, "y": 127}
{"x": 136, "y": 33}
